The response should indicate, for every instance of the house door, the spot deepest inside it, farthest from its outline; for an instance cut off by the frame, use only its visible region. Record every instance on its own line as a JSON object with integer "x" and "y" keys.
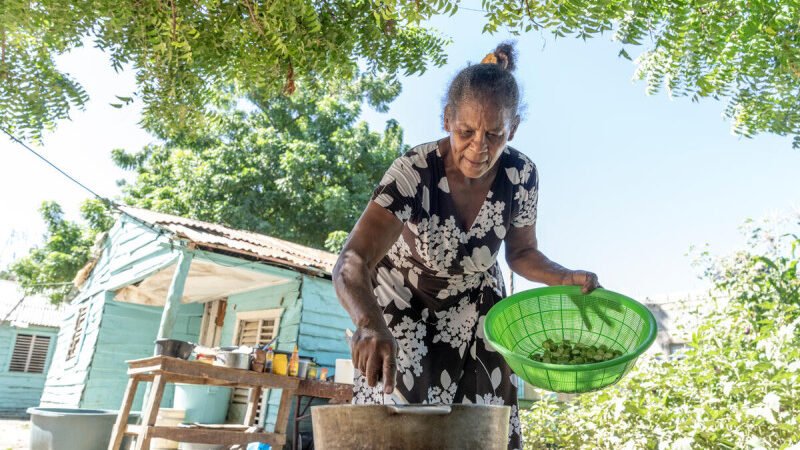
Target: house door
{"x": 213, "y": 319}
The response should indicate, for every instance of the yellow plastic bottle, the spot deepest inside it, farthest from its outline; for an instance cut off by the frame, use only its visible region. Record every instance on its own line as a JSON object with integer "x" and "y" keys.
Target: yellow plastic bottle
{"x": 294, "y": 363}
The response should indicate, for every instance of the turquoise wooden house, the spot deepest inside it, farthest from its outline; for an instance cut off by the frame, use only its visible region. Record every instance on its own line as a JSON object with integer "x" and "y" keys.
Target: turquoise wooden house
{"x": 157, "y": 275}
{"x": 28, "y": 330}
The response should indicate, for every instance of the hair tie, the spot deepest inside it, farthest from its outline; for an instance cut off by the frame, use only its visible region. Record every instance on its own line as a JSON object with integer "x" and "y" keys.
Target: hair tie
{"x": 492, "y": 58}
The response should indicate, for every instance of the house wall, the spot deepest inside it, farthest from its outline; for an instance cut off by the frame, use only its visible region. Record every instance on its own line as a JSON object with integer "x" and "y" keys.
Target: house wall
{"x": 19, "y": 391}
{"x": 322, "y": 328}
{"x": 127, "y": 332}
{"x": 323, "y": 323}
{"x": 130, "y": 252}
{"x": 66, "y": 378}
{"x": 282, "y": 296}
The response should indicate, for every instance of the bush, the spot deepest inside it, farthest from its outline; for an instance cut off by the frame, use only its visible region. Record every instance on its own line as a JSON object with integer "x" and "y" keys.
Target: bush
{"x": 737, "y": 386}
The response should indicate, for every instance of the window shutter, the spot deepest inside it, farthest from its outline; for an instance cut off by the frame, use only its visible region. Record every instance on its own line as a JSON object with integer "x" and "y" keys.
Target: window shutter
{"x": 77, "y": 332}
{"x": 30, "y": 353}
{"x": 256, "y": 333}
{"x": 41, "y": 345}
{"x": 253, "y": 332}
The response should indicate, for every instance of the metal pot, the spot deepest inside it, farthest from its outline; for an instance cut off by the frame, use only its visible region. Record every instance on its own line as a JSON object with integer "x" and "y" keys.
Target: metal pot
{"x": 410, "y": 427}
{"x": 235, "y": 360}
{"x": 174, "y": 347}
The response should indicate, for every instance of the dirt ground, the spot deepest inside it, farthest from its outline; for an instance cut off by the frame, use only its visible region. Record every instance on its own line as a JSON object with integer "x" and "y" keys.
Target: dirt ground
{"x": 14, "y": 434}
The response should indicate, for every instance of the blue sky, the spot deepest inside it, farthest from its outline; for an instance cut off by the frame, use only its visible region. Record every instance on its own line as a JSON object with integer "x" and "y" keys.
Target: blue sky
{"x": 628, "y": 181}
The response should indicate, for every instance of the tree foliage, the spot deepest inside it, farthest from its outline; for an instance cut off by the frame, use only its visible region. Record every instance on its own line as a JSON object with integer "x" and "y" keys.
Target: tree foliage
{"x": 736, "y": 387}
{"x": 50, "y": 269}
{"x": 189, "y": 55}
{"x": 299, "y": 168}
{"x": 746, "y": 52}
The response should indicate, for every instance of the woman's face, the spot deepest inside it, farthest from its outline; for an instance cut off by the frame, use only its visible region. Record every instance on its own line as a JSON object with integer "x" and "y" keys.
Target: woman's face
{"x": 479, "y": 131}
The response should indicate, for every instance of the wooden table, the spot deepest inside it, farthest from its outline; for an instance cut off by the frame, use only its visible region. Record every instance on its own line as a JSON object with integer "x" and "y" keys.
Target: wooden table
{"x": 163, "y": 369}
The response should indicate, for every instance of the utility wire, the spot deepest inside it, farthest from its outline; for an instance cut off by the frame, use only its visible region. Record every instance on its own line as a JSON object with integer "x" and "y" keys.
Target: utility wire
{"x": 14, "y": 138}
{"x": 109, "y": 203}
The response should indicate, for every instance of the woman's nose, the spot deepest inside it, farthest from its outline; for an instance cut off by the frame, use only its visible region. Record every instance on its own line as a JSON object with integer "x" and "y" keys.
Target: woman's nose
{"x": 481, "y": 143}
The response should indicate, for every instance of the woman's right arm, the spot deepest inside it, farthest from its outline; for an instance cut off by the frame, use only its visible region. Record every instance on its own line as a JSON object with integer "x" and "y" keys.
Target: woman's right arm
{"x": 373, "y": 347}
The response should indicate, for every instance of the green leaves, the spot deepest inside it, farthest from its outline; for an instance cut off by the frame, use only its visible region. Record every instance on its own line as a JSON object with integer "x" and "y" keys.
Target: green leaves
{"x": 743, "y": 52}
{"x": 50, "y": 269}
{"x": 300, "y": 167}
{"x": 190, "y": 58}
{"x": 736, "y": 386}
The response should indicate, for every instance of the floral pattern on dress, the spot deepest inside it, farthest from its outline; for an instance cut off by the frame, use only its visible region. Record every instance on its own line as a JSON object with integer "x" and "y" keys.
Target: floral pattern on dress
{"x": 410, "y": 337}
{"x": 444, "y": 392}
{"x": 455, "y": 325}
{"x": 438, "y": 281}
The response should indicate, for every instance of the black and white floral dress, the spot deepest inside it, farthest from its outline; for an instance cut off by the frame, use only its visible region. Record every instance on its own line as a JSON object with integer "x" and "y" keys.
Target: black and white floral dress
{"x": 440, "y": 278}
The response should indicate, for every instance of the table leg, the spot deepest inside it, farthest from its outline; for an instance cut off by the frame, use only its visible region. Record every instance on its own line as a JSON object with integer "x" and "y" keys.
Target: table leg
{"x": 283, "y": 411}
{"x": 153, "y": 401}
{"x": 252, "y": 405}
{"x": 122, "y": 418}
{"x": 296, "y": 422}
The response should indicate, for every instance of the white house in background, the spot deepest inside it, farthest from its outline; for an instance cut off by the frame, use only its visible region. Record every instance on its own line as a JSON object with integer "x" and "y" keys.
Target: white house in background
{"x": 678, "y": 315}
{"x": 28, "y": 332}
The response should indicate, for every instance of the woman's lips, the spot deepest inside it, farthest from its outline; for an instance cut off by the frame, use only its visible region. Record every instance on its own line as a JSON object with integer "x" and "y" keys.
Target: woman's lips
{"x": 475, "y": 164}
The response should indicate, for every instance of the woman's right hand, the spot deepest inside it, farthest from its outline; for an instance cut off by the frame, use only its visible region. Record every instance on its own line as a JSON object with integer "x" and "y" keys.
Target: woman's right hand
{"x": 374, "y": 352}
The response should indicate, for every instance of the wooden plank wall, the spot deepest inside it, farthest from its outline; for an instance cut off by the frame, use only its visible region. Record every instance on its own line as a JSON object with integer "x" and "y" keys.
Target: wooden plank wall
{"x": 66, "y": 378}
{"x": 128, "y": 331}
{"x": 130, "y": 252}
{"x": 19, "y": 391}
{"x": 323, "y": 324}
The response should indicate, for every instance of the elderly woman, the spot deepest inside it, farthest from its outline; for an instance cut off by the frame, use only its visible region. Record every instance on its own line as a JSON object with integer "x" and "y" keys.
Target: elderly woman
{"x": 419, "y": 271}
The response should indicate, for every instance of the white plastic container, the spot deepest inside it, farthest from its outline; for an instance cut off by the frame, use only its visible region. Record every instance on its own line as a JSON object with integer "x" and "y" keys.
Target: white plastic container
{"x": 344, "y": 371}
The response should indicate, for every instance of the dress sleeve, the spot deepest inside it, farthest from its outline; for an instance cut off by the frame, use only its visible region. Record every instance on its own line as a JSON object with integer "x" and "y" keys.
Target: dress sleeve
{"x": 526, "y": 197}
{"x": 397, "y": 191}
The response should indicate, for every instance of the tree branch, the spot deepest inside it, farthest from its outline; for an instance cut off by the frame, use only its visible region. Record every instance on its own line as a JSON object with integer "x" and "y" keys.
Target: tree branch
{"x": 174, "y": 20}
{"x": 530, "y": 13}
{"x": 252, "y": 15}
{"x": 3, "y": 46}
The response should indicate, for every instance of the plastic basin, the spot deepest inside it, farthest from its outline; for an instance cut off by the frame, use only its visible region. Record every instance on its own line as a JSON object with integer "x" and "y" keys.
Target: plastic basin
{"x": 73, "y": 428}
{"x": 203, "y": 404}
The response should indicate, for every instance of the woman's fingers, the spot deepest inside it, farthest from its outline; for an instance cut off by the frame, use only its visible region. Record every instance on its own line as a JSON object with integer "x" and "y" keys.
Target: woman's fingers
{"x": 389, "y": 373}
{"x": 373, "y": 354}
{"x": 590, "y": 282}
{"x": 373, "y": 369}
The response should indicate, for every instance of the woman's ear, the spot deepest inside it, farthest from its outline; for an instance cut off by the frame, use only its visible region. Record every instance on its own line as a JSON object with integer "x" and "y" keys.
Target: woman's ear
{"x": 446, "y": 117}
{"x": 514, "y": 125}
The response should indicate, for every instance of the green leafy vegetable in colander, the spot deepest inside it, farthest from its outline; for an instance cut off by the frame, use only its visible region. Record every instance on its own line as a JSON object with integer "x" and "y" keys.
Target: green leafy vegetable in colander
{"x": 566, "y": 352}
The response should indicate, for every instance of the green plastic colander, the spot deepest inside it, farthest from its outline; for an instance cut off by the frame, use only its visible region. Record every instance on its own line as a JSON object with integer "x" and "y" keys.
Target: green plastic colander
{"x": 517, "y": 326}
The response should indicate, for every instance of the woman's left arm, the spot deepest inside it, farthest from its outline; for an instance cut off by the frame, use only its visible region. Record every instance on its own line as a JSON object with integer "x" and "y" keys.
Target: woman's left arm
{"x": 524, "y": 258}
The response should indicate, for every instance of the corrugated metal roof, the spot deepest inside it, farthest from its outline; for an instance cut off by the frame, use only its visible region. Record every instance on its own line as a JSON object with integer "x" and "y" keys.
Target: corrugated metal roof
{"x": 218, "y": 237}
{"x": 33, "y": 310}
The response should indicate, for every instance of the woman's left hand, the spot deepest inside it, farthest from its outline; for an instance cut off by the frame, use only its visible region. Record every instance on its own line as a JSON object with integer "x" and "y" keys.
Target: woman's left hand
{"x": 586, "y": 280}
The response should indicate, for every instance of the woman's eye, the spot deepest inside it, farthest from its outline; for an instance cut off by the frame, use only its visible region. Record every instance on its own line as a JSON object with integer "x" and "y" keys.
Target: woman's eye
{"x": 466, "y": 133}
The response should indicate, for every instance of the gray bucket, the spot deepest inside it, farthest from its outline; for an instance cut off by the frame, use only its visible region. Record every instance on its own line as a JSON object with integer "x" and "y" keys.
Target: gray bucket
{"x": 74, "y": 428}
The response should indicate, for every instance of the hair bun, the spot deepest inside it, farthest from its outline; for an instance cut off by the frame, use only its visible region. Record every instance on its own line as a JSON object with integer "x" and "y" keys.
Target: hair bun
{"x": 504, "y": 56}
